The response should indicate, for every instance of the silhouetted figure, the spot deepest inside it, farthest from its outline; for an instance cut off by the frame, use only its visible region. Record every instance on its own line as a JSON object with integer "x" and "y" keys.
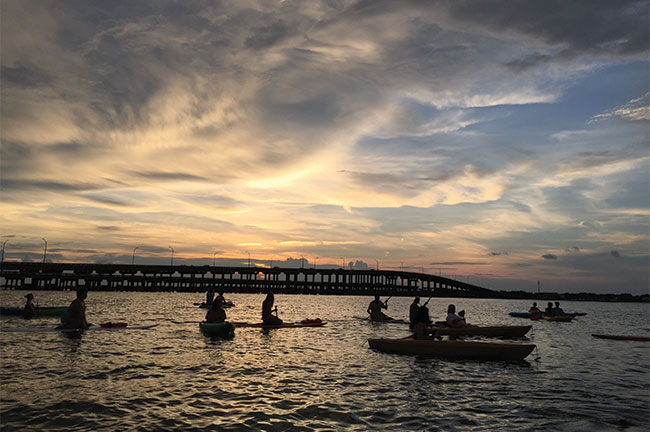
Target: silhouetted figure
{"x": 267, "y": 311}
{"x": 454, "y": 320}
{"x": 375, "y": 307}
{"x": 413, "y": 311}
{"x": 75, "y": 316}
{"x": 216, "y": 314}
{"x": 30, "y": 309}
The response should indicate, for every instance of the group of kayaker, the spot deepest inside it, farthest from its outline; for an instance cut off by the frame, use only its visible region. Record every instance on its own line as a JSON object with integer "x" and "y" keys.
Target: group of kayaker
{"x": 419, "y": 320}
{"x": 549, "y": 311}
{"x": 217, "y": 314}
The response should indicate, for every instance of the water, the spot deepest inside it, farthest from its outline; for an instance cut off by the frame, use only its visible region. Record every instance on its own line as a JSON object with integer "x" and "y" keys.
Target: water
{"x": 173, "y": 378}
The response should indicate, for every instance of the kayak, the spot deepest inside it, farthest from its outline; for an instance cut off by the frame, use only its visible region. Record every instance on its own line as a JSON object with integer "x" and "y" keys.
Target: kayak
{"x": 453, "y": 349}
{"x": 624, "y": 338}
{"x": 559, "y": 318}
{"x": 93, "y": 328}
{"x": 226, "y": 305}
{"x": 524, "y": 314}
{"x": 48, "y": 311}
{"x": 222, "y": 329}
{"x": 304, "y": 323}
{"x": 500, "y": 331}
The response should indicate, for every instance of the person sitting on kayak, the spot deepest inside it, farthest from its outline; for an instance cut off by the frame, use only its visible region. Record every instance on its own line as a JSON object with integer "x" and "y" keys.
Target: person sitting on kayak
{"x": 209, "y": 297}
{"x": 216, "y": 314}
{"x": 75, "y": 316}
{"x": 557, "y": 310}
{"x": 413, "y": 311}
{"x": 534, "y": 309}
{"x": 267, "y": 311}
{"x": 549, "y": 309}
{"x": 375, "y": 307}
{"x": 422, "y": 328}
{"x": 221, "y": 298}
{"x": 454, "y": 320}
{"x": 30, "y": 309}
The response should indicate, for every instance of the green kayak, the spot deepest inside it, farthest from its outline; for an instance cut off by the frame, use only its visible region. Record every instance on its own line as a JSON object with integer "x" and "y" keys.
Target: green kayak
{"x": 48, "y": 311}
{"x": 222, "y": 330}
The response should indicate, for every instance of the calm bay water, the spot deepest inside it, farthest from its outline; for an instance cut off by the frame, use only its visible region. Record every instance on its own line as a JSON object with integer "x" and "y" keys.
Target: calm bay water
{"x": 173, "y": 378}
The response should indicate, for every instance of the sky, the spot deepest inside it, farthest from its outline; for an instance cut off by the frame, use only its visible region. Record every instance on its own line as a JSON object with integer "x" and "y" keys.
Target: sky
{"x": 495, "y": 142}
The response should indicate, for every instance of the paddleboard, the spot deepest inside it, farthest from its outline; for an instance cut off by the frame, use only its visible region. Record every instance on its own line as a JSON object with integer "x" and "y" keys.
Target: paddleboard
{"x": 390, "y": 321}
{"x": 624, "y": 338}
{"x": 284, "y": 325}
{"x": 93, "y": 328}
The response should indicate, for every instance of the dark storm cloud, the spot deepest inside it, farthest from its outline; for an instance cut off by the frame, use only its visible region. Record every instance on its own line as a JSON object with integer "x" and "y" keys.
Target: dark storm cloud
{"x": 45, "y": 185}
{"x": 24, "y": 76}
{"x": 600, "y": 27}
{"x": 169, "y": 176}
{"x": 549, "y": 256}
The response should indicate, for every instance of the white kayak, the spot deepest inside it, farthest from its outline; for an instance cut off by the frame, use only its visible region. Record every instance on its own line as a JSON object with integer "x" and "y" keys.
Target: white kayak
{"x": 93, "y": 328}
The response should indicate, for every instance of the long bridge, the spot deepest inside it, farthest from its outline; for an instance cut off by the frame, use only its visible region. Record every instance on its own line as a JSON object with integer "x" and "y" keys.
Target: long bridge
{"x": 185, "y": 278}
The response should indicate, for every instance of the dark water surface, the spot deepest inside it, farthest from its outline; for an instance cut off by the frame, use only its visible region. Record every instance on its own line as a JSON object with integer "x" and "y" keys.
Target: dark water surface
{"x": 173, "y": 378}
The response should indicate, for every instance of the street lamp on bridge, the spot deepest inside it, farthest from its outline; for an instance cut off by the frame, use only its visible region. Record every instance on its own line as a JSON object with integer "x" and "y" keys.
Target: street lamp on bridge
{"x": 44, "y": 250}
{"x": 377, "y": 261}
{"x": 249, "y": 258}
{"x": 3, "y": 250}
{"x": 172, "y": 262}
{"x": 214, "y": 258}
{"x": 133, "y": 257}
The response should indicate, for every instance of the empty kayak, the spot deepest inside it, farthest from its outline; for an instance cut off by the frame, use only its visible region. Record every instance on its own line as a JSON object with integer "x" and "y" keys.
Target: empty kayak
{"x": 624, "y": 338}
{"x": 304, "y": 323}
{"x": 93, "y": 328}
{"x": 48, "y": 311}
{"x": 223, "y": 329}
{"x": 453, "y": 349}
{"x": 500, "y": 331}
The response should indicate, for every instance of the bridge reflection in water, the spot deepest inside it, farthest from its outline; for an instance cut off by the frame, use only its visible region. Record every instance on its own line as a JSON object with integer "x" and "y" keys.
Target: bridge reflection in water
{"x": 125, "y": 277}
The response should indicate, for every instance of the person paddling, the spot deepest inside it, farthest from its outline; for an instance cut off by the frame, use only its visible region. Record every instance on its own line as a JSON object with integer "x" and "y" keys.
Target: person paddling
{"x": 413, "y": 311}
{"x": 534, "y": 309}
{"x": 454, "y": 320}
{"x": 375, "y": 307}
{"x": 30, "y": 309}
{"x": 216, "y": 314}
{"x": 75, "y": 316}
{"x": 422, "y": 328}
{"x": 267, "y": 311}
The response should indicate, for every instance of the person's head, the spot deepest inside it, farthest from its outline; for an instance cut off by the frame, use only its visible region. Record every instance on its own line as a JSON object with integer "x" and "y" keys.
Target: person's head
{"x": 82, "y": 293}
{"x": 270, "y": 297}
{"x": 534, "y": 304}
{"x": 451, "y": 309}
{"x": 217, "y": 304}
{"x": 550, "y": 304}
{"x": 557, "y": 304}
{"x": 422, "y": 315}
{"x": 221, "y": 293}
{"x": 416, "y": 300}
{"x": 377, "y": 297}
{"x": 29, "y": 296}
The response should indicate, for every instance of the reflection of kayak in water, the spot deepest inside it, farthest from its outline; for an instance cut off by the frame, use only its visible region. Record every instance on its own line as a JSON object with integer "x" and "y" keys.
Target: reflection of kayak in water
{"x": 204, "y": 305}
{"x": 101, "y": 327}
{"x": 623, "y": 338}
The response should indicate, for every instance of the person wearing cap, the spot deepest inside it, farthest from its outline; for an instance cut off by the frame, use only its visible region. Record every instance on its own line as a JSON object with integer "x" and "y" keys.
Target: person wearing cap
{"x": 75, "y": 316}
{"x": 30, "y": 309}
{"x": 413, "y": 311}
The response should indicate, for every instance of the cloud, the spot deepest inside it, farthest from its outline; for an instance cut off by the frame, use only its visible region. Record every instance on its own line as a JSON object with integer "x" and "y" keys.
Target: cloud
{"x": 635, "y": 110}
{"x": 549, "y": 256}
{"x": 615, "y": 254}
